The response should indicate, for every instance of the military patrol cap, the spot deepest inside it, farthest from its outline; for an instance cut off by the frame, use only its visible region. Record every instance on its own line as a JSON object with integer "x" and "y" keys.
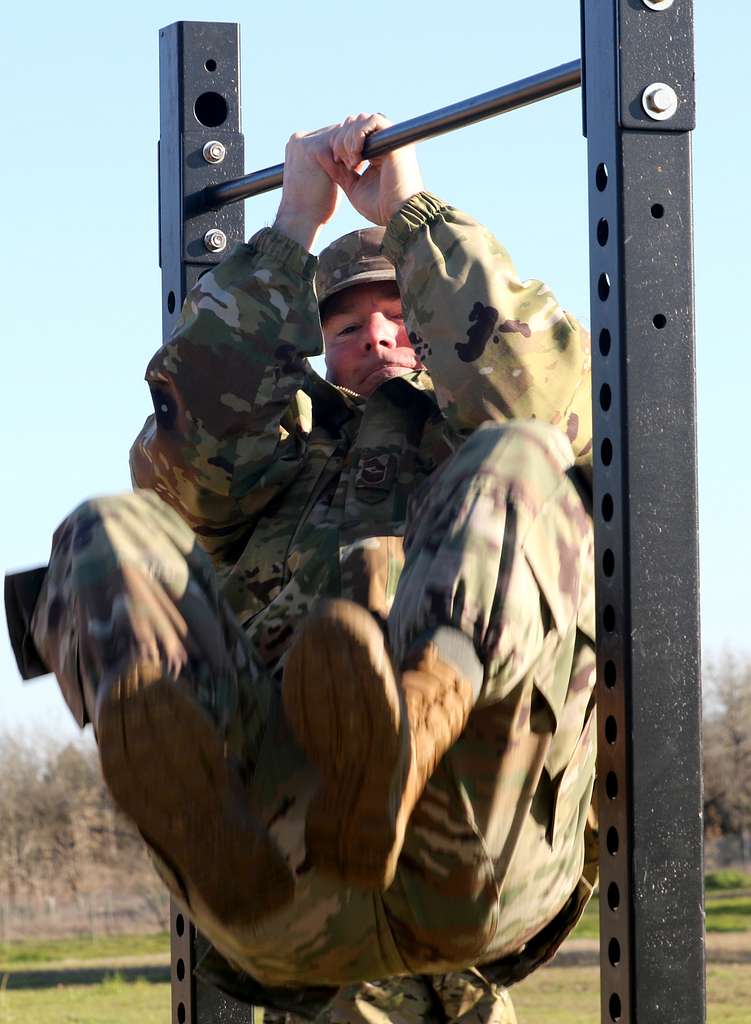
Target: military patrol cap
{"x": 353, "y": 259}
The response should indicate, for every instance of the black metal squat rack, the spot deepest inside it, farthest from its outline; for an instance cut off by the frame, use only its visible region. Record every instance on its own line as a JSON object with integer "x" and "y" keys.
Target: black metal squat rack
{"x": 637, "y": 74}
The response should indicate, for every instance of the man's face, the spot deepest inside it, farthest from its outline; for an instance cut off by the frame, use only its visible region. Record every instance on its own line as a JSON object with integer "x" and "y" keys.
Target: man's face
{"x": 366, "y": 342}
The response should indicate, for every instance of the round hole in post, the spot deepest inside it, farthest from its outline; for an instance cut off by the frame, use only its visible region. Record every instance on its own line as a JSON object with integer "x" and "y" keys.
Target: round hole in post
{"x": 614, "y": 896}
{"x": 659, "y": 321}
{"x": 607, "y": 507}
{"x": 601, "y": 177}
{"x": 603, "y": 231}
{"x": 611, "y": 785}
{"x": 603, "y": 287}
{"x": 180, "y": 969}
{"x": 606, "y": 397}
{"x": 179, "y": 924}
{"x": 606, "y": 451}
{"x": 210, "y": 64}
{"x": 181, "y": 1013}
{"x": 610, "y": 674}
{"x": 614, "y": 952}
{"x": 612, "y": 841}
{"x": 608, "y": 562}
{"x": 614, "y": 1006}
{"x": 211, "y": 109}
{"x": 657, "y": 211}
{"x": 611, "y": 729}
{"x": 605, "y": 342}
{"x": 171, "y": 302}
{"x": 608, "y": 618}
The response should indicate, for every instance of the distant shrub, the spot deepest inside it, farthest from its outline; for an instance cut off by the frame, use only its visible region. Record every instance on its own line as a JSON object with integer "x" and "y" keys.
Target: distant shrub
{"x": 727, "y": 879}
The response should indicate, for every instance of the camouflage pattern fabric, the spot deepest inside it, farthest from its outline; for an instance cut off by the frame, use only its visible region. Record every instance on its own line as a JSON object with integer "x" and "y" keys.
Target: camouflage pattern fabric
{"x": 494, "y": 852}
{"x": 296, "y": 489}
{"x": 499, "y": 544}
{"x": 460, "y": 998}
{"x": 496, "y": 347}
{"x": 356, "y": 258}
{"x": 127, "y": 585}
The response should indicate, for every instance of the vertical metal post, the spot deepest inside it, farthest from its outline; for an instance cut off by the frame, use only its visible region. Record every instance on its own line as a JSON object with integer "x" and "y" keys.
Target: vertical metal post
{"x": 645, "y": 499}
{"x": 200, "y": 144}
{"x": 199, "y": 94}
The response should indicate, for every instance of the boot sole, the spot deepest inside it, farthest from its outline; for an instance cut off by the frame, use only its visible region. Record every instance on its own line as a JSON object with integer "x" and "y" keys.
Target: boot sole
{"x": 345, "y": 709}
{"x": 165, "y": 764}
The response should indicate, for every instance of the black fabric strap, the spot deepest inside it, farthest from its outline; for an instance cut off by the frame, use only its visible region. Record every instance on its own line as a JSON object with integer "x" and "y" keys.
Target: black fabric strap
{"x": 22, "y": 590}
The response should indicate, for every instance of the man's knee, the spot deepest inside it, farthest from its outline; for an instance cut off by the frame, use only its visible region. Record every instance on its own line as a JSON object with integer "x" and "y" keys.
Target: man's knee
{"x": 519, "y": 450}
{"x": 120, "y": 520}
{"x": 467, "y": 560}
{"x": 103, "y": 535}
{"x": 95, "y": 544}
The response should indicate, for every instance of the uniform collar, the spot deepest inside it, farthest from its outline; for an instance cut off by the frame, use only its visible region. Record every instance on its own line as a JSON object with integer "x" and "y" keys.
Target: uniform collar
{"x": 334, "y": 405}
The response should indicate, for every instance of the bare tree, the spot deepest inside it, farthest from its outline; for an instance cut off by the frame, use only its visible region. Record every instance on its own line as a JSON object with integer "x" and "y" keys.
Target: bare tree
{"x": 727, "y": 749}
{"x": 62, "y": 840}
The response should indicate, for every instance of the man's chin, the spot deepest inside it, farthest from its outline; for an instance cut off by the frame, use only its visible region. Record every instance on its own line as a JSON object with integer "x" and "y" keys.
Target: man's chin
{"x": 383, "y": 373}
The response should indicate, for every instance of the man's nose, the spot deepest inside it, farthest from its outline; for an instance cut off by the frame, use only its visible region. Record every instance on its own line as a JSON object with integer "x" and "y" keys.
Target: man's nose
{"x": 380, "y": 332}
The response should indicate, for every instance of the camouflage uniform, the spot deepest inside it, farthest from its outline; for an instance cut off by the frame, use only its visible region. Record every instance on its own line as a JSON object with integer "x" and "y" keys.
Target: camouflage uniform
{"x": 459, "y": 998}
{"x": 297, "y": 490}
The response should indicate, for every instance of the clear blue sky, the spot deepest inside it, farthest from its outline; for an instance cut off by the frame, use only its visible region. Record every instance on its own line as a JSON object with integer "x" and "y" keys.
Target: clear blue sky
{"x": 82, "y": 290}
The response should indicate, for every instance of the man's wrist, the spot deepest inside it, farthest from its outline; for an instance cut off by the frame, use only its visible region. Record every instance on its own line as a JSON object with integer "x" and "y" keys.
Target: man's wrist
{"x": 394, "y": 204}
{"x": 299, "y": 227}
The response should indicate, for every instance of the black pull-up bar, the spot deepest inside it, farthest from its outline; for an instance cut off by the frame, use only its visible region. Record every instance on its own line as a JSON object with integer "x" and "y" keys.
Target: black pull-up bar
{"x": 426, "y": 126}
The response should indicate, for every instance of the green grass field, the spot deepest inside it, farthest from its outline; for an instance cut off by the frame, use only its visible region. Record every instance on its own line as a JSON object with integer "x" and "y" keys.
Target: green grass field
{"x": 570, "y": 995}
{"x": 34, "y": 952}
{"x": 555, "y": 995}
{"x": 112, "y": 1001}
{"x": 729, "y": 911}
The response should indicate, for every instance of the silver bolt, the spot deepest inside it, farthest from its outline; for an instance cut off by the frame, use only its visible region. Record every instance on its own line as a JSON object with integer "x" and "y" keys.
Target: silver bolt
{"x": 659, "y": 101}
{"x": 214, "y": 152}
{"x": 215, "y": 240}
{"x": 658, "y": 5}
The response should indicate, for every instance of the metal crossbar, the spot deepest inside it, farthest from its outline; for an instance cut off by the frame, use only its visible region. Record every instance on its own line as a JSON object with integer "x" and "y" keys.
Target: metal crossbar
{"x": 417, "y": 129}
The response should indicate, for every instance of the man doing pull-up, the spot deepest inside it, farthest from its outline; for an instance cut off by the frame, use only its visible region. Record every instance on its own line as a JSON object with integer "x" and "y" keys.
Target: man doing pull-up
{"x": 338, "y": 645}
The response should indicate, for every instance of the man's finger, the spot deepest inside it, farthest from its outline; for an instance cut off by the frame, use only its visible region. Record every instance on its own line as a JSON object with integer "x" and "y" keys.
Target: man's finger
{"x": 338, "y": 147}
{"x": 348, "y": 141}
{"x": 340, "y": 174}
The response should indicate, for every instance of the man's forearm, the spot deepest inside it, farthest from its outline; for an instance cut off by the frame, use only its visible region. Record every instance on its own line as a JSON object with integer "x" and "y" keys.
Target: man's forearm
{"x": 300, "y": 227}
{"x": 496, "y": 347}
{"x": 223, "y": 382}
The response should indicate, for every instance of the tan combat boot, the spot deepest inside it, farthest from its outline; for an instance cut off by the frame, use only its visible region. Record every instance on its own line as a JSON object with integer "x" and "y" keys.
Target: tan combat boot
{"x": 167, "y": 767}
{"x": 375, "y": 740}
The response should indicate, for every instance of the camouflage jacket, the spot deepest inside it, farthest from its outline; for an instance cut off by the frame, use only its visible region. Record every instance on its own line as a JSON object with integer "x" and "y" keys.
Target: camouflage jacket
{"x": 298, "y": 489}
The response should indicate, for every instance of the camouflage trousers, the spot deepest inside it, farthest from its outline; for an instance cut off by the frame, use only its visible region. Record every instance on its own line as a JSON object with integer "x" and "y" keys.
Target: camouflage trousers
{"x": 459, "y": 998}
{"x": 493, "y": 872}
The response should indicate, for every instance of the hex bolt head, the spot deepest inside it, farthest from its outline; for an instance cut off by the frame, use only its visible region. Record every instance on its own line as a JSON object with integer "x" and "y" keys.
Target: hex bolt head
{"x": 215, "y": 240}
{"x": 658, "y": 5}
{"x": 659, "y": 101}
{"x": 214, "y": 152}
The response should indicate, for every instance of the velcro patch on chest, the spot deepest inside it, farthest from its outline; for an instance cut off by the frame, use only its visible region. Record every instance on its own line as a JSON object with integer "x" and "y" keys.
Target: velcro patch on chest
{"x": 375, "y": 476}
